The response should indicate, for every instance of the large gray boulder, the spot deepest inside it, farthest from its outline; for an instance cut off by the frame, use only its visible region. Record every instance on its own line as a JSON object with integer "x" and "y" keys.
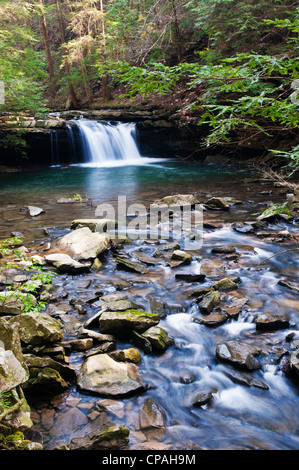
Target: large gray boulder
{"x": 38, "y": 328}
{"x": 101, "y": 375}
{"x": 83, "y": 244}
{"x": 12, "y": 373}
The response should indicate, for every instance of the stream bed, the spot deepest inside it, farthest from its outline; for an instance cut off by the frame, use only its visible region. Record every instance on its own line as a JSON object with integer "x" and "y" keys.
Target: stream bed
{"x": 238, "y": 416}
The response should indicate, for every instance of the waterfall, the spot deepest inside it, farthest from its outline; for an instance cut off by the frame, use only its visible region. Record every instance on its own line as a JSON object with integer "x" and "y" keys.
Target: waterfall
{"x": 54, "y": 147}
{"x": 108, "y": 142}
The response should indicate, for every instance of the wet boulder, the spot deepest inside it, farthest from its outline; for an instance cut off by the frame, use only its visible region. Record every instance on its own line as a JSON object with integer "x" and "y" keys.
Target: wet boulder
{"x": 83, "y": 244}
{"x": 65, "y": 264}
{"x": 102, "y": 375}
{"x": 270, "y": 322}
{"x": 12, "y": 373}
{"x": 38, "y": 328}
{"x": 95, "y": 225}
{"x": 129, "y": 354}
{"x": 238, "y": 353}
{"x": 33, "y": 211}
{"x": 209, "y": 301}
{"x": 151, "y": 415}
{"x": 122, "y": 323}
{"x": 214, "y": 319}
{"x": 216, "y": 203}
{"x": 158, "y": 338}
{"x": 131, "y": 266}
{"x": 178, "y": 200}
{"x": 107, "y": 437}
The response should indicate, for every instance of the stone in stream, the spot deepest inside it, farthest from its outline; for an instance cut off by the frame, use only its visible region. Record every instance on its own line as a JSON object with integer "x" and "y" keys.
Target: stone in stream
{"x": 202, "y": 398}
{"x": 33, "y": 211}
{"x": 129, "y": 354}
{"x": 177, "y": 200}
{"x": 212, "y": 268}
{"x": 209, "y": 301}
{"x": 292, "y": 285}
{"x": 130, "y": 266}
{"x": 109, "y": 436}
{"x": 102, "y": 375}
{"x": 214, "y": 319}
{"x": 95, "y": 225}
{"x": 244, "y": 378}
{"x": 151, "y": 415}
{"x": 238, "y": 353}
{"x": 225, "y": 284}
{"x": 227, "y": 249}
{"x": 232, "y": 302}
{"x": 190, "y": 277}
{"x": 65, "y": 264}
{"x": 83, "y": 244}
{"x": 179, "y": 255}
{"x": 270, "y": 322}
{"x": 123, "y": 323}
{"x": 158, "y": 338}
{"x": 38, "y": 328}
{"x": 216, "y": 203}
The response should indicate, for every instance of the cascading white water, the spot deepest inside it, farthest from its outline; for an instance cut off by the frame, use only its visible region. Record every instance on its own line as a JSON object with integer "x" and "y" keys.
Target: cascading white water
{"x": 108, "y": 142}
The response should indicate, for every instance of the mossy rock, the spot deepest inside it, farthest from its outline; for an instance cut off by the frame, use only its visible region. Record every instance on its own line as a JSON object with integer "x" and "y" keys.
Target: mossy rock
{"x": 122, "y": 323}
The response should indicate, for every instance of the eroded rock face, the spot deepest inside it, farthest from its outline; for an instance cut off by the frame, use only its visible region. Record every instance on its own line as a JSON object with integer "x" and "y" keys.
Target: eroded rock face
{"x": 101, "y": 375}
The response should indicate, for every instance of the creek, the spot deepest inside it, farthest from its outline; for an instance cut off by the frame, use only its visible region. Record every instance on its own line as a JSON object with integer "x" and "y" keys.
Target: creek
{"x": 239, "y": 416}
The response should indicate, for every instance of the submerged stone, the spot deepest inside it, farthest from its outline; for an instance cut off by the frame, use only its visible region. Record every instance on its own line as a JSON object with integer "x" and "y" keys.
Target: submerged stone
{"x": 130, "y": 266}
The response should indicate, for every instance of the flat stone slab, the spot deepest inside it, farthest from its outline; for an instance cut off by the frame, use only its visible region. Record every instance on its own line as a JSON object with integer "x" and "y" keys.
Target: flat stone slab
{"x": 101, "y": 375}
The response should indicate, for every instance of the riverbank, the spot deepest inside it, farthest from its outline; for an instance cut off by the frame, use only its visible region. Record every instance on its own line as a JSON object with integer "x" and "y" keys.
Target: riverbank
{"x": 226, "y": 312}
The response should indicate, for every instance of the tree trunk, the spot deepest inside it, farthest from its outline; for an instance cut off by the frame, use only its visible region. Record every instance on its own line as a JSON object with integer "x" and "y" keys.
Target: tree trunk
{"x": 47, "y": 49}
{"x": 176, "y": 32}
{"x": 106, "y": 92}
{"x": 66, "y": 65}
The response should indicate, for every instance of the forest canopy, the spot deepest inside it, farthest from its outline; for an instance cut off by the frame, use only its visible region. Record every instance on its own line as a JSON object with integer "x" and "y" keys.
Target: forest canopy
{"x": 235, "y": 61}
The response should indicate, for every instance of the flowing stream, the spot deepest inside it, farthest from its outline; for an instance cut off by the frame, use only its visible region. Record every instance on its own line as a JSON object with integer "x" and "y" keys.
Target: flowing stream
{"x": 239, "y": 416}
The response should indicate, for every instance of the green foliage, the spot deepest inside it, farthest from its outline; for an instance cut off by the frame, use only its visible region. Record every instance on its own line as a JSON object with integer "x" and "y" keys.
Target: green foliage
{"x": 22, "y": 68}
{"x": 292, "y": 158}
{"x": 39, "y": 277}
{"x": 5, "y": 399}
